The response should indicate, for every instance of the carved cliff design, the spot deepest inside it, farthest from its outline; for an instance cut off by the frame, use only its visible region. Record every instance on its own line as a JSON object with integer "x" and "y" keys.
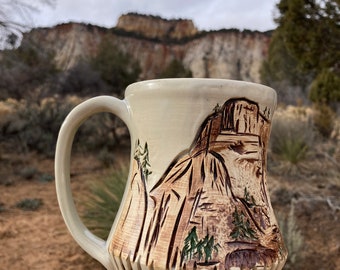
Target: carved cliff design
{"x": 210, "y": 209}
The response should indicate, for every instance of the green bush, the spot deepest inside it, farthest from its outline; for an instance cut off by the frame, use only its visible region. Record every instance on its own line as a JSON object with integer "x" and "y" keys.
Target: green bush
{"x": 82, "y": 80}
{"x": 29, "y": 204}
{"x": 175, "y": 70}
{"x": 28, "y": 172}
{"x": 102, "y": 205}
{"x": 325, "y": 87}
{"x": 324, "y": 119}
{"x": 100, "y": 133}
{"x": 35, "y": 127}
{"x": 116, "y": 68}
{"x": 26, "y": 72}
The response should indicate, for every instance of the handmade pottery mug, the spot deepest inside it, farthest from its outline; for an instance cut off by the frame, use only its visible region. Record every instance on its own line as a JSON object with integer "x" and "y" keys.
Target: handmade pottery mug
{"x": 196, "y": 194}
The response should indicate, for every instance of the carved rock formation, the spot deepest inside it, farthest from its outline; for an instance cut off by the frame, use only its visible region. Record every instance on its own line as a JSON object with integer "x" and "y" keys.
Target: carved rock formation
{"x": 210, "y": 210}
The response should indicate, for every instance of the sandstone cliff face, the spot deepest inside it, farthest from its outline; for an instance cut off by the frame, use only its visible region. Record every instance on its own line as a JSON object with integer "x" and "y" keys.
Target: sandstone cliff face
{"x": 70, "y": 42}
{"x": 232, "y": 54}
{"x": 155, "y": 27}
{"x": 154, "y": 42}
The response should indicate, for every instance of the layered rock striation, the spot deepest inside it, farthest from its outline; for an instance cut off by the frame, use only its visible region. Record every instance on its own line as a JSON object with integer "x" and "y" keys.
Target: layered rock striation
{"x": 155, "y": 42}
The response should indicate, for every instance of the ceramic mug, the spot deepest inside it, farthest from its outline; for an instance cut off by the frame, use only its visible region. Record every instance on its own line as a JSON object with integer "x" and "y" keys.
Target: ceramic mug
{"x": 196, "y": 194}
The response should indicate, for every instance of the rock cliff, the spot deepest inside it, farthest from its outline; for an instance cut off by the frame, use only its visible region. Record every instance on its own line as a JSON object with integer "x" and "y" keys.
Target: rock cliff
{"x": 155, "y": 42}
{"x": 156, "y": 27}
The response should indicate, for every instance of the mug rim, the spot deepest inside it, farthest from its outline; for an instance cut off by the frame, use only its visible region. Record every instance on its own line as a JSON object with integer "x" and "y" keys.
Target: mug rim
{"x": 256, "y": 91}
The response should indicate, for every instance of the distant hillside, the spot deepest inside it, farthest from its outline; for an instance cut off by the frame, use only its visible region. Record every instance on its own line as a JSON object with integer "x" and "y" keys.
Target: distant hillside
{"x": 154, "y": 42}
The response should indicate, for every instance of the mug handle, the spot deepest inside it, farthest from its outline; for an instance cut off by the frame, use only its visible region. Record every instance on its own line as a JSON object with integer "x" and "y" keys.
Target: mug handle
{"x": 93, "y": 245}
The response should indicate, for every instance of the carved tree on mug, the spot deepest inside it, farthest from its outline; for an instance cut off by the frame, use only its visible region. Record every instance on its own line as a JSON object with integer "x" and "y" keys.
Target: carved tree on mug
{"x": 210, "y": 209}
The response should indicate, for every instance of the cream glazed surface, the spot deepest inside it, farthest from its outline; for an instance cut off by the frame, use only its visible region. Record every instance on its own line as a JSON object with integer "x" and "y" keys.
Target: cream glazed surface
{"x": 196, "y": 195}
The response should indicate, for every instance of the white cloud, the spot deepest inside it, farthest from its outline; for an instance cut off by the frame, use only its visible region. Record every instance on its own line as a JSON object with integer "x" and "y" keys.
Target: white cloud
{"x": 207, "y": 15}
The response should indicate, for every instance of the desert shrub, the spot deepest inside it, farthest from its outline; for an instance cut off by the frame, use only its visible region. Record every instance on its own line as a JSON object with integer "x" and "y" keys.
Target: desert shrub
{"x": 24, "y": 70}
{"x": 101, "y": 133}
{"x": 34, "y": 127}
{"x": 324, "y": 119}
{"x": 2, "y": 207}
{"x": 116, "y": 68}
{"x": 282, "y": 196}
{"x": 325, "y": 87}
{"x": 102, "y": 205}
{"x": 45, "y": 177}
{"x": 29, "y": 204}
{"x": 291, "y": 141}
{"x": 28, "y": 172}
{"x": 106, "y": 157}
{"x": 82, "y": 80}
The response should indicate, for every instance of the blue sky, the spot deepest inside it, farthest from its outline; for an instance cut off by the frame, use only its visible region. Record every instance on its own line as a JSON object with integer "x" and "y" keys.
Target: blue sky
{"x": 206, "y": 14}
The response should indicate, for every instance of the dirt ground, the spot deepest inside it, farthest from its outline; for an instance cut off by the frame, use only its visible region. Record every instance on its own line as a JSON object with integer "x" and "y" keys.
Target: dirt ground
{"x": 39, "y": 239}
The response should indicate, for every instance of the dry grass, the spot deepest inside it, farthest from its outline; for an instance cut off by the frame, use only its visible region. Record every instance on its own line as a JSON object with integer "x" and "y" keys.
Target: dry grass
{"x": 292, "y": 236}
{"x": 297, "y": 149}
{"x": 102, "y": 204}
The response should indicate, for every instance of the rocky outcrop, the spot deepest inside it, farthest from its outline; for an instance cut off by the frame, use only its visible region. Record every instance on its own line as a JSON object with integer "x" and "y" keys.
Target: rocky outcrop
{"x": 156, "y": 27}
{"x": 154, "y": 43}
{"x": 70, "y": 42}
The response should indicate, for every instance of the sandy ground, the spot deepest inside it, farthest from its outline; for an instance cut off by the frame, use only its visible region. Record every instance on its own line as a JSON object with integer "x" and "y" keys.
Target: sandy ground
{"x": 39, "y": 239}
